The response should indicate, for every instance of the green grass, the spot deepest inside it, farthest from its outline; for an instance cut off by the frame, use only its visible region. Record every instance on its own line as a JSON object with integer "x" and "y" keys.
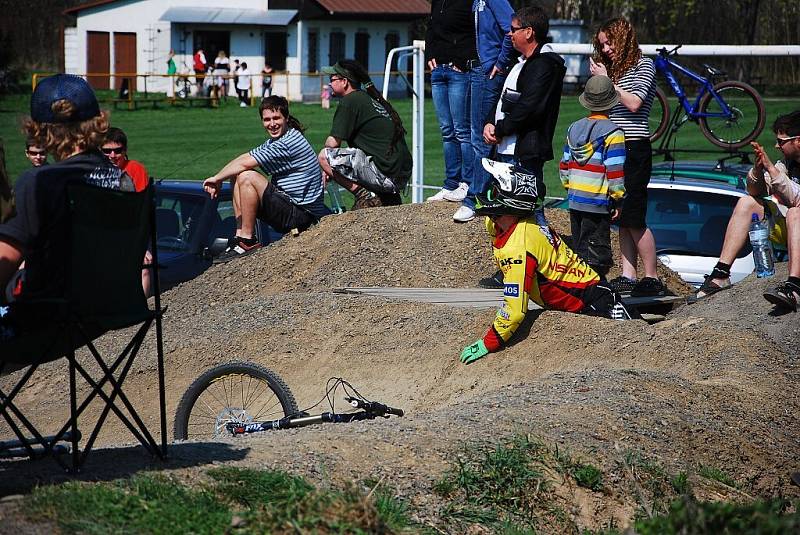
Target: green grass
{"x": 716, "y": 474}
{"x": 193, "y": 143}
{"x": 234, "y": 500}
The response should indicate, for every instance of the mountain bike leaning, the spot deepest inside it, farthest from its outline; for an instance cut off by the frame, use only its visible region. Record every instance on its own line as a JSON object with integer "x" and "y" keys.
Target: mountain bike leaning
{"x": 239, "y": 398}
{"x": 730, "y": 113}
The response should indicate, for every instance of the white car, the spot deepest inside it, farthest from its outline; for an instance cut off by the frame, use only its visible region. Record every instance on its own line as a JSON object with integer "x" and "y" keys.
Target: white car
{"x": 688, "y": 208}
{"x": 689, "y": 204}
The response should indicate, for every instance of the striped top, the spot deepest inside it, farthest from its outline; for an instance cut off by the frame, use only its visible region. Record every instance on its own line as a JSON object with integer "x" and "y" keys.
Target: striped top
{"x": 591, "y": 168}
{"x": 641, "y": 81}
{"x": 292, "y": 164}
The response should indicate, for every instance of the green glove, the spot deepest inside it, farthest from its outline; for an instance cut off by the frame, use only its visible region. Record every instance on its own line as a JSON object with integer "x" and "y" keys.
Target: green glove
{"x": 474, "y": 352}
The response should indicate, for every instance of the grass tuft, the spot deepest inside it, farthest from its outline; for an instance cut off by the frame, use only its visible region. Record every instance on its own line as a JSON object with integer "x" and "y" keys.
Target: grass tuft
{"x": 716, "y": 474}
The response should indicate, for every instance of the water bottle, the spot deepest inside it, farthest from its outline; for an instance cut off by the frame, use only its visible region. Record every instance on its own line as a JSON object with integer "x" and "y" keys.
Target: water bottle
{"x": 762, "y": 247}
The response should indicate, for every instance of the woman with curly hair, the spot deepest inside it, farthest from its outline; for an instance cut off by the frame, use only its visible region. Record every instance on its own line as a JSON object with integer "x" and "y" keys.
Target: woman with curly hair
{"x": 617, "y": 55}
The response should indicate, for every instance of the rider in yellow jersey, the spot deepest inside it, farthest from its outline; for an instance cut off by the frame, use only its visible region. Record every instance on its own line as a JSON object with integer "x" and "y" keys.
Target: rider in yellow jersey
{"x": 535, "y": 262}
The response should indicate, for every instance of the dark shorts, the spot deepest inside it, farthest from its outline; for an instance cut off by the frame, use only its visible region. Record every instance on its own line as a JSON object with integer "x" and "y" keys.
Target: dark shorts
{"x": 638, "y": 166}
{"x": 591, "y": 239}
{"x": 279, "y": 212}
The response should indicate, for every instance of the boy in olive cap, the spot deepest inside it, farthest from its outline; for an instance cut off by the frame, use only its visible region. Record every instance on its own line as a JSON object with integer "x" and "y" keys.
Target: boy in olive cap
{"x": 591, "y": 171}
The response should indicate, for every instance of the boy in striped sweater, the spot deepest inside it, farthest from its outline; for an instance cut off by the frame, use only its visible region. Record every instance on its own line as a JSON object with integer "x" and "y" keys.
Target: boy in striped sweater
{"x": 591, "y": 171}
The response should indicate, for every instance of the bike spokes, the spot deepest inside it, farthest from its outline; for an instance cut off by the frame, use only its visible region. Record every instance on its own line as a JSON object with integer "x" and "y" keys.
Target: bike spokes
{"x": 740, "y": 123}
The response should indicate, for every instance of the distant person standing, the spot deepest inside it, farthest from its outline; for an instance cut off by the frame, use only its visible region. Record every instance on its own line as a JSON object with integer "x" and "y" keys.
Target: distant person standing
{"x": 200, "y": 68}
{"x": 243, "y": 85}
{"x": 492, "y": 23}
{"x": 266, "y": 80}
{"x": 617, "y": 55}
{"x": 236, "y": 68}
{"x": 222, "y": 70}
{"x": 450, "y": 47}
{"x": 172, "y": 69}
{"x": 115, "y": 147}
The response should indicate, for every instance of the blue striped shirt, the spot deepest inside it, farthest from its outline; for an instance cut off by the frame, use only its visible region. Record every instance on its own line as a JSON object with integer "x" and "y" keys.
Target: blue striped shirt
{"x": 293, "y": 166}
{"x": 639, "y": 80}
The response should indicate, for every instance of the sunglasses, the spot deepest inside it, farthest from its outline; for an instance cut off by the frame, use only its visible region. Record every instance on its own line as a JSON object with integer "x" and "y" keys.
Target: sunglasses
{"x": 115, "y": 150}
{"x": 36, "y": 152}
{"x": 515, "y": 29}
{"x": 781, "y": 141}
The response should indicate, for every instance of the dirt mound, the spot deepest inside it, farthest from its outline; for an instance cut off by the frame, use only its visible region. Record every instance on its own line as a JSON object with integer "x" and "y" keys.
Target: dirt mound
{"x": 713, "y": 385}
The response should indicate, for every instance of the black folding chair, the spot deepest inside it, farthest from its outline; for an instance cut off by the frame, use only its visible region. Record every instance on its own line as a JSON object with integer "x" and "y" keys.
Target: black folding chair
{"x": 108, "y": 233}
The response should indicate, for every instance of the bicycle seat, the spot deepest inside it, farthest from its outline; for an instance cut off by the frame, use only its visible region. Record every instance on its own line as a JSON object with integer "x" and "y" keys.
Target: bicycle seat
{"x": 713, "y": 71}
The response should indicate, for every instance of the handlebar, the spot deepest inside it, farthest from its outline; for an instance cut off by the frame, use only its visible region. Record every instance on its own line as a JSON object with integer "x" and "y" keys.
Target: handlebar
{"x": 664, "y": 52}
{"x": 373, "y": 407}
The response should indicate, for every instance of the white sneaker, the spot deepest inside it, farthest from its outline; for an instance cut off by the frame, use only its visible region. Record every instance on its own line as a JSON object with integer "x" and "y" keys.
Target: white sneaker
{"x": 464, "y": 214}
{"x": 242, "y": 105}
{"x": 438, "y": 197}
{"x": 458, "y": 194}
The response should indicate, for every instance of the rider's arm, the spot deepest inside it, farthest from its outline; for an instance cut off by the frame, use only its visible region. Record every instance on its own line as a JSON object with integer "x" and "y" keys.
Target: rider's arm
{"x": 784, "y": 188}
{"x": 515, "y": 302}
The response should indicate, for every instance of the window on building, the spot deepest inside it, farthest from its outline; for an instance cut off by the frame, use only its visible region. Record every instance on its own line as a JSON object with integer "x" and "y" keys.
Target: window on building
{"x": 212, "y": 42}
{"x": 362, "y": 48}
{"x": 392, "y": 40}
{"x": 275, "y": 49}
{"x": 336, "y": 48}
{"x": 313, "y": 51}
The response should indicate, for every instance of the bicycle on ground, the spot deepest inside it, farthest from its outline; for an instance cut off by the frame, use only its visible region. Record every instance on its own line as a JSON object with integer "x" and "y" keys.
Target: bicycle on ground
{"x": 240, "y": 398}
{"x": 730, "y": 113}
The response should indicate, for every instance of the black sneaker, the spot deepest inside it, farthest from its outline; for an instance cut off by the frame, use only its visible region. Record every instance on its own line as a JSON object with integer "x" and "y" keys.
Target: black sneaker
{"x": 238, "y": 247}
{"x": 495, "y": 281}
{"x": 622, "y": 284}
{"x": 648, "y": 287}
{"x": 785, "y": 296}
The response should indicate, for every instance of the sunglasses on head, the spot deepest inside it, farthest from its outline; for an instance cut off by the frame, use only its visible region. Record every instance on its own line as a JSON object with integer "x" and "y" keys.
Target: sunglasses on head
{"x": 115, "y": 150}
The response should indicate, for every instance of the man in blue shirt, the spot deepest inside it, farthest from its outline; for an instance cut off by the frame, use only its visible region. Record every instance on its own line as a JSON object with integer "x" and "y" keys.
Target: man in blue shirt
{"x": 492, "y": 20}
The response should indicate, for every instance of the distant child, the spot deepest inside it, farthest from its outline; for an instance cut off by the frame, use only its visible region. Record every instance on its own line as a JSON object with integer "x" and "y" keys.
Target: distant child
{"x": 35, "y": 153}
{"x": 591, "y": 171}
{"x": 243, "y": 85}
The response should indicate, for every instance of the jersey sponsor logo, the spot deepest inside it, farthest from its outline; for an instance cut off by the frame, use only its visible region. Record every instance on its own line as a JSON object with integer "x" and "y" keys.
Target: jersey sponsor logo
{"x": 503, "y": 313}
{"x": 564, "y": 268}
{"x": 509, "y": 261}
{"x": 511, "y": 290}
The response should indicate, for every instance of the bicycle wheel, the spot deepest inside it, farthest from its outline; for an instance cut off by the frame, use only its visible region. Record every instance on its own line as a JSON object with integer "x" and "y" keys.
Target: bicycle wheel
{"x": 739, "y": 129}
{"x": 659, "y": 115}
{"x": 235, "y": 392}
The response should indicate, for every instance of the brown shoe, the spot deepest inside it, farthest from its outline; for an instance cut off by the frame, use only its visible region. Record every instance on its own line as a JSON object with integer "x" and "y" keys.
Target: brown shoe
{"x": 365, "y": 199}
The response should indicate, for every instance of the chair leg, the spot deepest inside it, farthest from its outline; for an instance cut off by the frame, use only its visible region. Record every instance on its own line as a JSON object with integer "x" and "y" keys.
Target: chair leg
{"x": 73, "y": 411}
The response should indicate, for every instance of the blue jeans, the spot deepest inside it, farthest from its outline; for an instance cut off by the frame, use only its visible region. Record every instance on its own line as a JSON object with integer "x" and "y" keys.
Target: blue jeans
{"x": 450, "y": 90}
{"x": 485, "y": 93}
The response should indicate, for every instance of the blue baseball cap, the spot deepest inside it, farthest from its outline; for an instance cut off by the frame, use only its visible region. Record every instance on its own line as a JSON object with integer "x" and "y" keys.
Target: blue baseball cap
{"x": 63, "y": 87}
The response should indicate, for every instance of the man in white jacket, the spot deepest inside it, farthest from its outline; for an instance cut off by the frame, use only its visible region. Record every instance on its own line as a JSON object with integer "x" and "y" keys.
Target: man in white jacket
{"x": 781, "y": 181}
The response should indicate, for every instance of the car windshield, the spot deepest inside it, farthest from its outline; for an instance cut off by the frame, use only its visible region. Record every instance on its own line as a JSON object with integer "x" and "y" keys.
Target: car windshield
{"x": 176, "y": 218}
{"x": 689, "y": 222}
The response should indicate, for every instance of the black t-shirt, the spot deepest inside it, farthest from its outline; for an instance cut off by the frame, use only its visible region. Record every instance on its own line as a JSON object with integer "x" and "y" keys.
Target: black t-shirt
{"x": 40, "y": 224}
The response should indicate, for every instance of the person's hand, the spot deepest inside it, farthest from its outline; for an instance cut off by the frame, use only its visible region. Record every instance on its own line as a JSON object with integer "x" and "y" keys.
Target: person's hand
{"x": 615, "y": 213}
{"x": 597, "y": 69}
{"x": 495, "y": 71}
{"x": 489, "y": 135}
{"x": 763, "y": 161}
{"x": 212, "y": 186}
{"x": 432, "y": 63}
{"x": 474, "y": 352}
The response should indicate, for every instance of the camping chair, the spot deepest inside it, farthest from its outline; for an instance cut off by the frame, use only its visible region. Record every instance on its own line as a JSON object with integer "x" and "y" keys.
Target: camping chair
{"x": 107, "y": 233}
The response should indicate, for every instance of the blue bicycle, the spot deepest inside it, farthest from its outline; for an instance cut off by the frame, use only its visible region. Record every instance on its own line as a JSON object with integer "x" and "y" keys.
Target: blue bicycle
{"x": 730, "y": 114}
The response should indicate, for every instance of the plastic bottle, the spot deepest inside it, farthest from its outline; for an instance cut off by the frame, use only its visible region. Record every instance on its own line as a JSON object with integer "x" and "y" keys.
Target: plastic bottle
{"x": 762, "y": 247}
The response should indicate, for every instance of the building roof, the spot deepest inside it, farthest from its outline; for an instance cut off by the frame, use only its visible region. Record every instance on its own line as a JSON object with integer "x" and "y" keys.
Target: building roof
{"x": 334, "y": 7}
{"x": 272, "y": 17}
{"x": 388, "y": 7}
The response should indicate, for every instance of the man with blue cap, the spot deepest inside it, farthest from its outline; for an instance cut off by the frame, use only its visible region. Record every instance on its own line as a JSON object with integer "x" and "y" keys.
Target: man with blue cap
{"x": 66, "y": 120}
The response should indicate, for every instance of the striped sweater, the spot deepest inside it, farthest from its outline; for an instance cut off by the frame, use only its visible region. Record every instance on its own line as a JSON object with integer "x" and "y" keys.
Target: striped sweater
{"x": 591, "y": 167}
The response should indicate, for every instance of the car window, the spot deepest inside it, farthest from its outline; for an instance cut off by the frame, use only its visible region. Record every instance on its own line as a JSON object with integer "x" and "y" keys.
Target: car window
{"x": 177, "y": 215}
{"x": 689, "y": 222}
{"x": 225, "y": 225}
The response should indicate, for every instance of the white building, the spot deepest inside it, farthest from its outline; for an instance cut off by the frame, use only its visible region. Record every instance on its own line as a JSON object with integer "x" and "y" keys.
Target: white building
{"x": 113, "y": 38}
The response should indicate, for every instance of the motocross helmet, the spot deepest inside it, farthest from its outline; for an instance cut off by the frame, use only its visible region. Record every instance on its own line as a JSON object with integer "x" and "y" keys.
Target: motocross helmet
{"x": 512, "y": 190}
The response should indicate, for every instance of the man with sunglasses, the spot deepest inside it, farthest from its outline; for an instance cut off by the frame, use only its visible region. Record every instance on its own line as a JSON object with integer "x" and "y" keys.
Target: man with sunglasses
{"x": 767, "y": 181}
{"x": 115, "y": 147}
{"x": 35, "y": 153}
